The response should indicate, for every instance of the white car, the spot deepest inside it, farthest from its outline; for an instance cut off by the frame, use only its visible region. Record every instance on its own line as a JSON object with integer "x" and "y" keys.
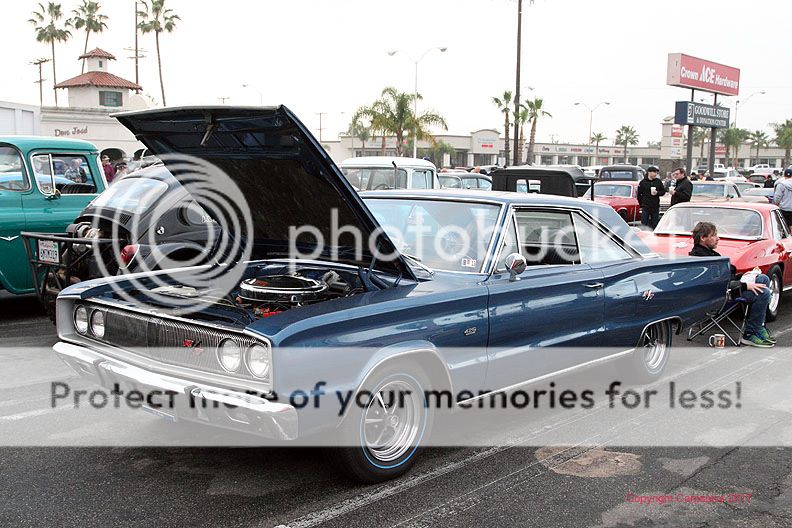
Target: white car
{"x": 373, "y": 173}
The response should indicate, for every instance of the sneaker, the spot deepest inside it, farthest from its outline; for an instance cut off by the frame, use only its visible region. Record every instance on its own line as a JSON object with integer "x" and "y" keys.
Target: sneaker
{"x": 756, "y": 341}
{"x": 764, "y": 333}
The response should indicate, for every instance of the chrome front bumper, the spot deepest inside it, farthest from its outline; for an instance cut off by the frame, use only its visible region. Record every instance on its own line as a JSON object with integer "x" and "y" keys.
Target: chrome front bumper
{"x": 220, "y": 407}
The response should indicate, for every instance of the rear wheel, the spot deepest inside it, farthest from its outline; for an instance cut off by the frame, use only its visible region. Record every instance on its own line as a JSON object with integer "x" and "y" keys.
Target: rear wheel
{"x": 382, "y": 435}
{"x": 776, "y": 287}
{"x": 651, "y": 355}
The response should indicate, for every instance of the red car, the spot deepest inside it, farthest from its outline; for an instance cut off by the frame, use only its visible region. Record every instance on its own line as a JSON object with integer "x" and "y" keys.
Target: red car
{"x": 751, "y": 235}
{"x": 620, "y": 196}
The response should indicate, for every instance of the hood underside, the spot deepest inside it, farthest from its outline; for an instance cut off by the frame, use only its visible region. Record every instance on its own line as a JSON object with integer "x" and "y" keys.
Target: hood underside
{"x": 286, "y": 177}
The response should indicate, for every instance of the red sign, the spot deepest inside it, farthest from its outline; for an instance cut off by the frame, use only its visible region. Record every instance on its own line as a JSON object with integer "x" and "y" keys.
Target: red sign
{"x": 676, "y": 131}
{"x": 690, "y": 72}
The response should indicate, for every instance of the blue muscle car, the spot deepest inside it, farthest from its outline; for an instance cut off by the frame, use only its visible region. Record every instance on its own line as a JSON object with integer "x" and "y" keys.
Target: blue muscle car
{"x": 458, "y": 290}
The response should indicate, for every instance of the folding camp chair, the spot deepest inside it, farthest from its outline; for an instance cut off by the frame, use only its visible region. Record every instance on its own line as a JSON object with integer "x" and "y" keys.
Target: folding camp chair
{"x": 733, "y": 305}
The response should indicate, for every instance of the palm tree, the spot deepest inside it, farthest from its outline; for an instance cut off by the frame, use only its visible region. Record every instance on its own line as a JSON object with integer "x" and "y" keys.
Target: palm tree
{"x": 597, "y": 138}
{"x": 504, "y": 106}
{"x": 51, "y": 32}
{"x": 438, "y": 150}
{"x": 783, "y": 138}
{"x": 626, "y": 136}
{"x": 393, "y": 114}
{"x": 733, "y": 137}
{"x": 535, "y": 111}
{"x": 759, "y": 139}
{"x": 700, "y": 136}
{"x": 88, "y": 16}
{"x": 522, "y": 119}
{"x": 157, "y": 19}
{"x": 359, "y": 130}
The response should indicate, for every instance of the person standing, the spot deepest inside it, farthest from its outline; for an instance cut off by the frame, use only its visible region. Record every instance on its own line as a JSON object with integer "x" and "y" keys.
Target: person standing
{"x": 109, "y": 171}
{"x": 650, "y": 189}
{"x": 783, "y": 195}
{"x": 769, "y": 182}
{"x": 684, "y": 188}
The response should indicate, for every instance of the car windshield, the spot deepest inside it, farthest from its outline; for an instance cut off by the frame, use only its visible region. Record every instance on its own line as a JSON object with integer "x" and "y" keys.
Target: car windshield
{"x": 607, "y": 189}
{"x": 443, "y": 235}
{"x": 731, "y": 222}
{"x": 375, "y": 178}
{"x": 450, "y": 182}
{"x": 704, "y": 189}
{"x": 131, "y": 195}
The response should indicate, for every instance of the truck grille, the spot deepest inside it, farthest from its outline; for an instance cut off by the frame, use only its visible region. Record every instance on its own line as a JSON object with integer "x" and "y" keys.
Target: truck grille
{"x": 168, "y": 341}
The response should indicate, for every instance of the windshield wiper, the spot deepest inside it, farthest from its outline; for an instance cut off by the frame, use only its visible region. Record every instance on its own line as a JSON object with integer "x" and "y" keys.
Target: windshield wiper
{"x": 415, "y": 260}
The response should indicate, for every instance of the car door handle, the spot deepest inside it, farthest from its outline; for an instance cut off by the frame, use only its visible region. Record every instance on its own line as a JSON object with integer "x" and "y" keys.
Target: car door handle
{"x": 594, "y": 285}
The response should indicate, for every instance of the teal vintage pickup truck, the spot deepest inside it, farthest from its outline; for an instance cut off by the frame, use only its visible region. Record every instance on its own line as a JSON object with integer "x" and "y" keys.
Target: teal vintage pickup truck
{"x": 44, "y": 184}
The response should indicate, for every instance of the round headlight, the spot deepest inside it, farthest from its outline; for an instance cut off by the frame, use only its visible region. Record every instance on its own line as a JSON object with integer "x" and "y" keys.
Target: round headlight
{"x": 81, "y": 319}
{"x": 98, "y": 323}
{"x": 229, "y": 354}
{"x": 259, "y": 361}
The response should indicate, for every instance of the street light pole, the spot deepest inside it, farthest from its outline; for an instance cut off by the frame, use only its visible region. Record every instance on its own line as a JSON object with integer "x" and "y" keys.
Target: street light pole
{"x": 591, "y": 115}
{"x": 415, "y": 93}
{"x": 739, "y": 103}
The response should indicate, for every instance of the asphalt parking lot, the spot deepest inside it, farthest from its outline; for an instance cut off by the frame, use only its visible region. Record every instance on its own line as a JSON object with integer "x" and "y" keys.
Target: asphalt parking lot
{"x": 516, "y": 483}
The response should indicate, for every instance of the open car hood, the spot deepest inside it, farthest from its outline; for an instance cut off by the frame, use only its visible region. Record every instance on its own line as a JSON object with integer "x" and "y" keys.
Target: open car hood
{"x": 285, "y": 174}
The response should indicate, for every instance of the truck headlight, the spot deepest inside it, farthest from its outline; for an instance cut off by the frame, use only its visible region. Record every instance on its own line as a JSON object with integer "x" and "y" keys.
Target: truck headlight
{"x": 81, "y": 319}
{"x": 229, "y": 354}
{"x": 259, "y": 360}
{"x": 98, "y": 323}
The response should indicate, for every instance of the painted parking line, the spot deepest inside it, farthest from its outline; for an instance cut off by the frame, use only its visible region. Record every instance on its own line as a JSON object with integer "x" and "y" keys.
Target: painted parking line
{"x": 31, "y": 414}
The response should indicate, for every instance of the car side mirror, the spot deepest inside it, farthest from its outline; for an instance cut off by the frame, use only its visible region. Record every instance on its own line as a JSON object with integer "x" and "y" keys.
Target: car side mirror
{"x": 54, "y": 195}
{"x": 515, "y": 264}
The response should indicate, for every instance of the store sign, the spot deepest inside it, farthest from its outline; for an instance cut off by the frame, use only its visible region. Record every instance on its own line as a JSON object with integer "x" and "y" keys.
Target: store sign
{"x": 75, "y": 131}
{"x": 676, "y": 131}
{"x": 690, "y": 72}
{"x": 485, "y": 143}
{"x": 703, "y": 115}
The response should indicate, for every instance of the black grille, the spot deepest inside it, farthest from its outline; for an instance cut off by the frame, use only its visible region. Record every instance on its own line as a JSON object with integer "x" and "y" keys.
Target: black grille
{"x": 169, "y": 341}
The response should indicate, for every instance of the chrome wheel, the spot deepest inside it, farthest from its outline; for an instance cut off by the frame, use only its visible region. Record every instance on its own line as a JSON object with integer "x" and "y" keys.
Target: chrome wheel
{"x": 775, "y": 293}
{"x": 392, "y": 421}
{"x": 655, "y": 346}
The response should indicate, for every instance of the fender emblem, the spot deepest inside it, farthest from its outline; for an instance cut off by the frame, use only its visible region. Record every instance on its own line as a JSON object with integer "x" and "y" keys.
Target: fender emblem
{"x": 10, "y": 238}
{"x": 470, "y": 331}
{"x": 648, "y": 295}
{"x": 194, "y": 346}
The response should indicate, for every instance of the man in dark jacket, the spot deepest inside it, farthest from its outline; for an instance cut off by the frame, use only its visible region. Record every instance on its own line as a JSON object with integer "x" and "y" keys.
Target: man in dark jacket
{"x": 683, "y": 189}
{"x": 650, "y": 189}
{"x": 757, "y": 289}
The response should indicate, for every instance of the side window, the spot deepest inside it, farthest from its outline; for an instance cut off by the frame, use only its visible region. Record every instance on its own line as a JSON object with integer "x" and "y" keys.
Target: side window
{"x": 547, "y": 238}
{"x": 70, "y": 173}
{"x": 596, "y": 246}
{"x": 780, "y": 229}
{"x": 508, "y": 246}
{"x": 12, "y": 171}
{"x": 484, "y": 184}
{"x": 422, "y": 179}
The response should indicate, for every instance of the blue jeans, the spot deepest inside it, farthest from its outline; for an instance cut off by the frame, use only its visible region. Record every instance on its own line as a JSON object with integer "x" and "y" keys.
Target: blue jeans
{"x": 758, "y": 307}
{"x": 650, "y": 216}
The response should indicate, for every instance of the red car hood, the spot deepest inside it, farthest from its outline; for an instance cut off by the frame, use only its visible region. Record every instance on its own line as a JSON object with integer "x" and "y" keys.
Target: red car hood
{"x": 680, "y": 245}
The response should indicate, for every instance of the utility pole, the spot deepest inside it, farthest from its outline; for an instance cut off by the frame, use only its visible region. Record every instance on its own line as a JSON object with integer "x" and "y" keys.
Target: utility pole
{"x": 517, "y": 147}
{"x": 223, "y": 99}
{"x": 41, "y": 80}
{"x": 320, "y": 114}
{"x": 137, "y": 51}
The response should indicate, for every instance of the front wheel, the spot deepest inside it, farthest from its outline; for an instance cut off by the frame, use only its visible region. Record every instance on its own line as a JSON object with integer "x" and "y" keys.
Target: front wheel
{"x": 380, "y": 438}
{"x": 650, "y": 357}
{"x": 776, "y": 287}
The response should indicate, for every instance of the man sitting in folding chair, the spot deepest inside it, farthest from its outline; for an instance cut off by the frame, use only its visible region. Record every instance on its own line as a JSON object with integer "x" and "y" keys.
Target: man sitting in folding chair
{"x": 753, "y": 289}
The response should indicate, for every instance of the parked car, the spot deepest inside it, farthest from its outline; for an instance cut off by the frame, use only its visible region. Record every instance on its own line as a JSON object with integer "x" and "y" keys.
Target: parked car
{"x": 759, "y": 167}
{"x": 621, "y": 173}
{"x": 389, "y": 172}
{"x": 44, "y": 184}
{"x": 535, "y": 179}
{"x": 450, "y": 181}
{"x": 619, "y": 195}
{"x": 728, "y": 174}
{"x": 712, "y": 191}
{"x": 141, "y": 211}
{"x": 758, "y": 178}
{"x": 766, "y": 192}
{"x": 751, "y": 235}
{"x": 743, "y": 186}
{"x": 582, "y": 180}
{"x": 477, "y": 319}
{"x": 476, "y": 181}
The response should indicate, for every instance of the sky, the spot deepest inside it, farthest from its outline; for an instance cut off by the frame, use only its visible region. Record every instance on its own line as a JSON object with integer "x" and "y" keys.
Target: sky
{"x": 331, "y": 57}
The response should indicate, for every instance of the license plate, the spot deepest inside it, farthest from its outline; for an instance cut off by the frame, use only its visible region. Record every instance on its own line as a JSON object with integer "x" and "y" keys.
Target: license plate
{"x": 48, "y": 251}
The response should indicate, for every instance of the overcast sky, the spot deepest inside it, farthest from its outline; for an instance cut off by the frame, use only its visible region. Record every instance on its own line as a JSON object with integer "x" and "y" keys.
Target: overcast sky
{"x": 331, "y": 56}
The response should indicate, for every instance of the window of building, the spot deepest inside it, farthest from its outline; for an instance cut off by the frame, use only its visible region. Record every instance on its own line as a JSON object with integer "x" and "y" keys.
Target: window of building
{"x": 109, "y": 98}
{"x": 547, "y": 160}
{"x": 583, "y": 161}
{"x": 100, "y": 63}
{"x": 460, "y": 158}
